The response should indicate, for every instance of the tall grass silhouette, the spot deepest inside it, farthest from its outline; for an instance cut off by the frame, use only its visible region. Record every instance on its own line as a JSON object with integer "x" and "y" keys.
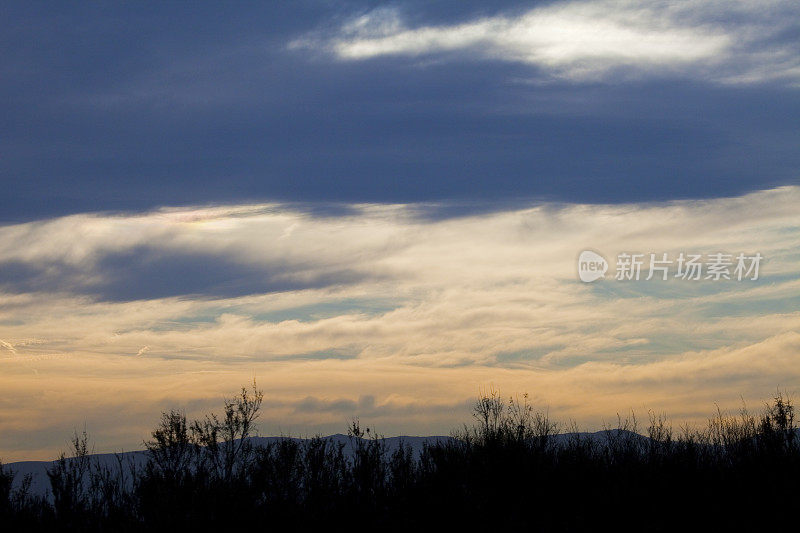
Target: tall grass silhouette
{"x": 513, "y": 467}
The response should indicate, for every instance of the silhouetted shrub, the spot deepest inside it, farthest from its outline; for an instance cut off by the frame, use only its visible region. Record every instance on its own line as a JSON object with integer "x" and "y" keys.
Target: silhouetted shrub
{"x": 514, "y": 468}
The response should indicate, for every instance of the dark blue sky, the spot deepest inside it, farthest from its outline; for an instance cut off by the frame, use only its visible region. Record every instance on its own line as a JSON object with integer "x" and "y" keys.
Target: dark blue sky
{"x": 128, "y": 106}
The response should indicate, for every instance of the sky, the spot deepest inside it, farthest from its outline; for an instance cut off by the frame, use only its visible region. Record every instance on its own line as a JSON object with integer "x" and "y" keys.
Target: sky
{"x": 375, "y": 209}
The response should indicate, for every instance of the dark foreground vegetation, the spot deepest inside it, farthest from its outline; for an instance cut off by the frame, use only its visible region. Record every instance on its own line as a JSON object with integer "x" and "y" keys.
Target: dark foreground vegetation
{"x": 513, "y": 468}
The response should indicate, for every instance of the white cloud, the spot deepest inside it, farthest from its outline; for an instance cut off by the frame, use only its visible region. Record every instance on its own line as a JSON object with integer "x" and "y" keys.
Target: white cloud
{"x": 724, "y": 41}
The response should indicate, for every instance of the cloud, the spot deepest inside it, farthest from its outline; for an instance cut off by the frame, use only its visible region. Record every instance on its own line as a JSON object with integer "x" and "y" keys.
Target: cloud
{"x": 129, "y": 258}
{"x": 721, "y": 41}
{"x": 8, "y": 346}
{"x": 229, "y": 115}
{"x": 440, "y": 308}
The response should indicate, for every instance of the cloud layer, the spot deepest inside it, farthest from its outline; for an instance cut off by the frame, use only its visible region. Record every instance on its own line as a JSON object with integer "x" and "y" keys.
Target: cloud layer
{"x": 385, "y": 311}
{"x": 736, "y": 41}
{"x": 122, "y": 107}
